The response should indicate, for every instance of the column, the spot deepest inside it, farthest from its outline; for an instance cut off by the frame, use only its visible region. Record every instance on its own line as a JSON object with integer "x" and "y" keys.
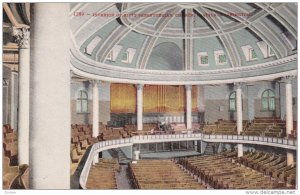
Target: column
{"x": 240, "y": 150}
{"x": 50, "y": 118}
{"x": 289, "y": 106}
{"x": 137, "y": 155}
{"x": 22, "y": 38}
{"x": 250, "y": 100}
{"x": 95, "y": 108}
{"x": 289, "y": 115}
{"x": 104, "y": 102}
{"x": 5, "y": 95}
{"x": 188, "y": 90}
{"x": 201, "y": 104}
{"x": 239, "y": 116}
{"x": 139, "y": 88}
{"x": 14, "y": 100}
{"x": 96, "y": 158}
{"x": 239, "y": 111}
{"x": 290, "y": 157}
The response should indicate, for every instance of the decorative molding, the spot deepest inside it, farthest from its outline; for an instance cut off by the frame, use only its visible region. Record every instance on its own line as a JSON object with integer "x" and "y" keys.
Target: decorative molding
{"x": 22, "y": 37}
{"x": 89, "y": 68}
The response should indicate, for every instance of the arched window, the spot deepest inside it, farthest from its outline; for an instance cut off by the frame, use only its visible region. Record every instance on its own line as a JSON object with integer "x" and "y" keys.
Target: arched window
{"x": 268, "y": 100}
{"x": 82, "y": 101}
{"x": 232, "y": 101}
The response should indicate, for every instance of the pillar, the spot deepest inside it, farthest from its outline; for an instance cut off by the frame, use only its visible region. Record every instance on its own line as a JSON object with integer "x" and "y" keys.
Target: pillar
{"x": 240, "y": 150}
{"x": 95, "y": 108}
{"x": 290, "y": 157}
{"x": 50, "y": 118}
{"x": 22, "y": 38}
{"x": 239, "y": 111}
{"x": 104, "y": 102}
{"x": 201, "y": 104}
{"x": 96, "y": 158}
{"x": 14, "y": 100}
{"x": 139, "y": 88}
{"x": 5, "y": 95}
{"x": 289, "y": 115}
{"x": 289, "y": 106}
{"x": 137, "y": 155}
{"x": 188, "y": 90}
{"x": 239, "y": 116}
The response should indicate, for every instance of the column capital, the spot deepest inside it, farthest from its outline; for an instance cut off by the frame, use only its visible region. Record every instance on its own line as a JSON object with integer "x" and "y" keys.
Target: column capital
{"x": 94, "y": 82}
{"x": 22, "y": 37}
{"x": 288, "y": 79}
{"x": 139, "y": 86}
{"x": 238, "y": 85}
{"x": 5, "y": 82}
{"x": 188, "y": 87}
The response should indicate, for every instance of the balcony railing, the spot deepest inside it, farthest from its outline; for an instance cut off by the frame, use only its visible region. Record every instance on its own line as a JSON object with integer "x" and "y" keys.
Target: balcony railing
{"x": 109, "y": 144}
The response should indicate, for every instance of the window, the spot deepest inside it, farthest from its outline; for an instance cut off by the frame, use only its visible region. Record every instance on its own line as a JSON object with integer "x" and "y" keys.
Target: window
{"x": 232, "y": 101}
{"x": 268, "y": 100}
{"x": 202, "y": 59}
{"x": 92, "y": 45}
{"x": 252, "y": 54}
{"x": 125, "y": 57}
{"x": 270, "y": 52}
{"x": 110, "y": 56}
{"x": 82, "y": 101}
{"x": 265, "y": 49}
{"x": 220, "y": 57}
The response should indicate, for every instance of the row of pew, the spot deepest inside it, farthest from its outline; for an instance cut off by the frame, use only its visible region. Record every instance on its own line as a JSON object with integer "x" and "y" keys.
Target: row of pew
{"x": 14, "y": 176}
{"x": 102, "y": 175}
{"x": 271, "y": 165}
{"x": 260, "y": 126}
{"x": 222, "y": 172}
{"x": 10, "y": 144}
{"x": 160, "y": 174}
{"x": 81, "y": 139}
{"x": 266, "y": 126}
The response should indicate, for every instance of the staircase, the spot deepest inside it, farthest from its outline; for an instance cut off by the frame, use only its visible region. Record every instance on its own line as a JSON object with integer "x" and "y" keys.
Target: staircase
{"x": 120, "y": 155}
{"x": 211, "y": 148}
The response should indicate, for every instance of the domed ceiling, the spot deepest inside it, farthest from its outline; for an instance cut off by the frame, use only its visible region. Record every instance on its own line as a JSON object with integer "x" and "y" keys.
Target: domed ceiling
{"x": 180, "y": 37}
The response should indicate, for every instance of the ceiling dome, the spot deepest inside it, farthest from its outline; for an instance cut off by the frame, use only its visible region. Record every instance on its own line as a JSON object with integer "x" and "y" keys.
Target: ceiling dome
{"x": 183, "y": 37}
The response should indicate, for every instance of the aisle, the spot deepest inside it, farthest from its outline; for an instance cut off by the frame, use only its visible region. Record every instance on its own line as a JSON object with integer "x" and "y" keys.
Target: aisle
{"x": 122, "y": 179}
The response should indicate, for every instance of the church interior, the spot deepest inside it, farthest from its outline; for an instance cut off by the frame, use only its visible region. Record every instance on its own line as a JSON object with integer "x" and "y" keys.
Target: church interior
{"x": 149, "y": 96}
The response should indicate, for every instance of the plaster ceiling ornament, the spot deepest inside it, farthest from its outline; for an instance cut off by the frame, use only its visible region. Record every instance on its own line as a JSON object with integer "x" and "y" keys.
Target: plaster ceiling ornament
{"x": 239, "y": 40}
